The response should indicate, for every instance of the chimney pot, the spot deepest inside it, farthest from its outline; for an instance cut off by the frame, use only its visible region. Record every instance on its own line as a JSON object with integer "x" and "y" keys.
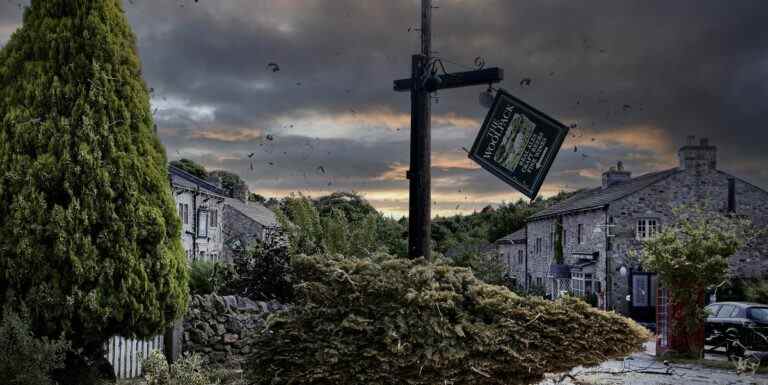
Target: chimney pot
{"x": 620, "y": 166}
{"x": 691, "y": 140}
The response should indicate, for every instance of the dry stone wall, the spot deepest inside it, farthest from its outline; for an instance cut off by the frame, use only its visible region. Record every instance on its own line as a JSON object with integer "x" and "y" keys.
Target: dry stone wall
{"x": 222, "y": 328}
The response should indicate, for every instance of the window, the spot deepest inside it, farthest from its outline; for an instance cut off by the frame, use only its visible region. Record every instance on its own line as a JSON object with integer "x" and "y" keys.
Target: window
{"x": 579, "y": 233}
{"x": 640, "y": 292}
{"x": 537, "y": 246}
{"x": 214, "y": 218}
{"x": 647, "y": 228}
{"x": 519, "y": 257}
{"x": 577, "y": 284}
{"x": 202, "y": 223}
{"x": 759, "y": 314}
{"x": 726, "y": 311}
{"x": 184, "y": 213}
{"x": 538, "y": 281}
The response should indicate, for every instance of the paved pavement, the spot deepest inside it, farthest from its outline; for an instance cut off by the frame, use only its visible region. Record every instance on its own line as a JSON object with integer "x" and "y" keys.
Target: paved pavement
{"x": 643, "y": 369}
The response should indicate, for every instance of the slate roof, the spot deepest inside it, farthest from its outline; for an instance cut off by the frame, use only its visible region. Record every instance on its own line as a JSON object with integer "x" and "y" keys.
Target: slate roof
{"x": 182, "y": 178}
{"x": 518, "y": 235}
{"x": 599, "y": 197}
{"x": 256, "y": 211}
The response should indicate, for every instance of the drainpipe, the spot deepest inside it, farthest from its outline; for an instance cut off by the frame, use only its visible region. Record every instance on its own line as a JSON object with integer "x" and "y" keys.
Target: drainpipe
{"x": 608, "y": 280}
{"x": 194, "y": 223}
{"x": 525, "y": 278}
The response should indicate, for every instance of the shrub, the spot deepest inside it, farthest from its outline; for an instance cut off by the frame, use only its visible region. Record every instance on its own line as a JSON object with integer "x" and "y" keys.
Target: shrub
{"x": 756, "y": 290}
{"x": 207, "y": 277}
{"x": 187, "y": 370}
{"x": 264, "y": 272}
{"x": 24, "y": 358}
{"x": 381, "y": 320}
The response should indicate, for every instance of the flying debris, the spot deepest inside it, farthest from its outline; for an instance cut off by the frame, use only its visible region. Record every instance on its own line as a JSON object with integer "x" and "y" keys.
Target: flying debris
{"x": 271, "y": 163}
{"x": 525, "y": 82}
{"x": 552, "y": 73}
{"x": 273, "y": 66}
{"x": 298, "y": 84}
{"x": 584, "y": 156}
{"x": 626, "y": 107}
{"x": 270, "y": 137}
{"x": 251, "y": 154}
{"x": 321, "y": 169}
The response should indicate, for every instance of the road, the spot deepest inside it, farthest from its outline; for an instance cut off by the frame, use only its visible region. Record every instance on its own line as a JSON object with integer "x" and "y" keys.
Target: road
{"x": 643, "y": 369}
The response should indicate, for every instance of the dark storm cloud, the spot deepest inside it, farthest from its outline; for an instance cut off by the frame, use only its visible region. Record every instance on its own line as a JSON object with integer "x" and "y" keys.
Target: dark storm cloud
{"x": 637, "y": 77}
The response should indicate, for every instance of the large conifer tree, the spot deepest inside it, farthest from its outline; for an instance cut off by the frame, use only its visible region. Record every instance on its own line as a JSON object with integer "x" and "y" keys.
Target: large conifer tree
{"x": 89, "y": 236}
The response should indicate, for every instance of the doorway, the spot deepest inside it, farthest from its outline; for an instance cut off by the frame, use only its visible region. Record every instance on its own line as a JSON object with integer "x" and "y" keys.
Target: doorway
{"x": 642, "y": 301}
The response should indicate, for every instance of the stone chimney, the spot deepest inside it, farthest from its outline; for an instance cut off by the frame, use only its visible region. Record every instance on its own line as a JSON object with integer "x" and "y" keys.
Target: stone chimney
{"x": 616, "y": 175}
{"x": 701, "y": 156}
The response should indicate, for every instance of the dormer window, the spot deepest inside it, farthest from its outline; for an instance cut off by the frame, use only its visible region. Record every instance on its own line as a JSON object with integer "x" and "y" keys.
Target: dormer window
{"x": 647, "y": 228}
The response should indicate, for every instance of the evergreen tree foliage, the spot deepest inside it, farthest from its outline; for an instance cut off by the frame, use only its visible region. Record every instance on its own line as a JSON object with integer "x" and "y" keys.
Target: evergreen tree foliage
{"x": 384, "y": 320}
{"x": 89, "y": 235}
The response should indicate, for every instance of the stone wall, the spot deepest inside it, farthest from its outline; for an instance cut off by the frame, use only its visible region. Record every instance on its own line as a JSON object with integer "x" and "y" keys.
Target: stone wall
{"x": 538, "y": 262}
{"x": 240, "y": 232}
{"x": 510, "y": 256}
{"x": 222, "y": 328}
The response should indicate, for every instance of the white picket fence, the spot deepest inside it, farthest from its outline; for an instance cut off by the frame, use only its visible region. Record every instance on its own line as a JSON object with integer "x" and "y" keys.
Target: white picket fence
{"x": 125, "y": 354}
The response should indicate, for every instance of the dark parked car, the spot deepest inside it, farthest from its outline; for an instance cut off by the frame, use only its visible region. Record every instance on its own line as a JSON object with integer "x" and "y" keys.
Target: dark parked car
{"x": 737, "y": 326}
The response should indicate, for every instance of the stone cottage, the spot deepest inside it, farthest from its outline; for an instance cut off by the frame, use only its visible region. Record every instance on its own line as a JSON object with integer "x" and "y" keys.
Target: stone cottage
{"x": 244, "y": 224}
{"x": 512, "y": 252}
{"x": 200, "y": 205}
{"x": 600, "y": 228}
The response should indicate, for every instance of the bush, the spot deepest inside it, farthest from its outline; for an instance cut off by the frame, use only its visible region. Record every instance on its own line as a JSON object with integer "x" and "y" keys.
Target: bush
{"x": 207, "y": 277}
{"x": 264, "y": 272}
{"x": 381, "y": 320}
{"x": 756, "y": 291}
{"x": 187, "y": 370}
{"x": 24, "y": 358}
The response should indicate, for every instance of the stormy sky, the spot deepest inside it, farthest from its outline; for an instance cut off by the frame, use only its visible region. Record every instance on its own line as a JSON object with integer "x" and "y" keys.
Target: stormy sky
{"x": 636, "y": 77}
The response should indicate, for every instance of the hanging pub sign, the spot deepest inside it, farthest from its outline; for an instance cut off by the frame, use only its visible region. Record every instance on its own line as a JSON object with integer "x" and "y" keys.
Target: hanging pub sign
{"x": 518, "y": 143}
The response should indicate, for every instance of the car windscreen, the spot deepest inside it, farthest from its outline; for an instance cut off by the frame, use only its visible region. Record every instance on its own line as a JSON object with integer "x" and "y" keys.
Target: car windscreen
{"x": 759, "y": 314}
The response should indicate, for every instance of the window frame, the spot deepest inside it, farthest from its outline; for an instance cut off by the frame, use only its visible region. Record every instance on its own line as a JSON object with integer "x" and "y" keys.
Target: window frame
{"x": 202, "y": 224}
{"x": 647, "y": 228}
{"x": 580, "y": 234}
{"x": 213, "y": 218}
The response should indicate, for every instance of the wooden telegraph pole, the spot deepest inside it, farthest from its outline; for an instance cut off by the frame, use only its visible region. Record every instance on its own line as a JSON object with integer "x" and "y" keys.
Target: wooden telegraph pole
{"x": 422, "y": 82}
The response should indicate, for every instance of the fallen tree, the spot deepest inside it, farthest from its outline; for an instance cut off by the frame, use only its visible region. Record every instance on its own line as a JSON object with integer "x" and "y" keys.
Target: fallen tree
{"x": 382, "y": 320}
